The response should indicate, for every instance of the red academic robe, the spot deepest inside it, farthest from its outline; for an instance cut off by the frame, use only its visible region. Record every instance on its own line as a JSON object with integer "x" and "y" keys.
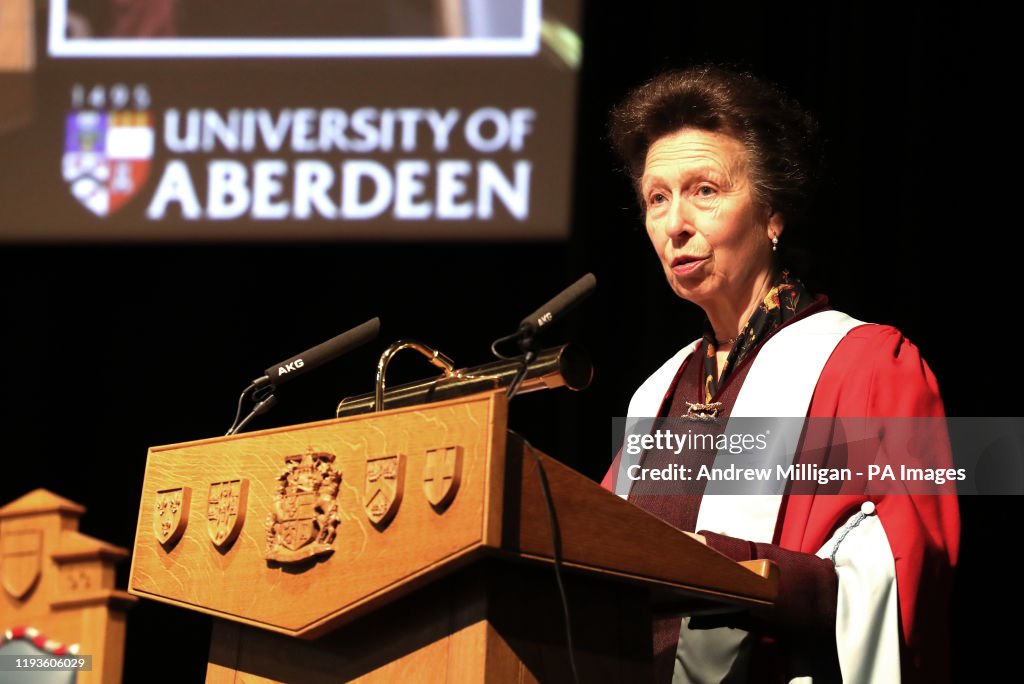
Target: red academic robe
{"x": 876, "y": 372}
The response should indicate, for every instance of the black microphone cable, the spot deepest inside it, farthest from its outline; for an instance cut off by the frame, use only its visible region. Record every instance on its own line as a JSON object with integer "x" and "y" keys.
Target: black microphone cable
{"x": 262, "y": 395}
{"x": 238, "y": 412}
{"x": 556, "y": 552}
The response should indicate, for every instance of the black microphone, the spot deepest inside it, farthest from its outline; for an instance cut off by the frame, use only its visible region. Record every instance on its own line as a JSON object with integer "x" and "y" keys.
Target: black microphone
{"x": 550, "y": 312}
{"x": 280, "y": 373}
{"x": 562, "y": 302}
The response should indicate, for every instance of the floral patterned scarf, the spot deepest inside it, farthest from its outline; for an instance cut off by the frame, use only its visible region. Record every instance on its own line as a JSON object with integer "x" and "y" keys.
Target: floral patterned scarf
{"x": 786, "y": 298}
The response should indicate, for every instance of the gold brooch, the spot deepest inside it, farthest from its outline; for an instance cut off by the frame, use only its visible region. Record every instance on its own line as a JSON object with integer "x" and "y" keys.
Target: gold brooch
{"x": 703, "y": 412}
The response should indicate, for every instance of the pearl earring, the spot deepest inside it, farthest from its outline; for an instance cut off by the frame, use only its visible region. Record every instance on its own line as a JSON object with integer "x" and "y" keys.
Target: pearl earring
{"x": 775, "y": 243}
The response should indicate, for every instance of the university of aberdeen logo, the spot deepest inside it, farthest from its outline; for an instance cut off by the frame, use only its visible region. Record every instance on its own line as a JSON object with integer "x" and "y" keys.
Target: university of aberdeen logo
{"x": 107, "y": 151}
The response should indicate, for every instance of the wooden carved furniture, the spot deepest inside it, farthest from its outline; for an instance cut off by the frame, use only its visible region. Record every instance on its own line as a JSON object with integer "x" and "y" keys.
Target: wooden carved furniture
{"x": 58, "y": 585}
{"x": 413, "y": 545}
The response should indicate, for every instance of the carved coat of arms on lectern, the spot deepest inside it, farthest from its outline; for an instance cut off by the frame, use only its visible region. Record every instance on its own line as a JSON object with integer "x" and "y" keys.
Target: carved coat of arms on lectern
{"x": 383, "y": 493}
{"x": 442, "y": 474}
{"x": 170, "y": 516}
{"x": 225, "y": 511}
{"x": 304, "y": 519}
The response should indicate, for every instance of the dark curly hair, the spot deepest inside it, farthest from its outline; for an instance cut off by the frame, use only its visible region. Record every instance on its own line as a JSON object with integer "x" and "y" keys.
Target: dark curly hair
{"x": 783, "y": 147}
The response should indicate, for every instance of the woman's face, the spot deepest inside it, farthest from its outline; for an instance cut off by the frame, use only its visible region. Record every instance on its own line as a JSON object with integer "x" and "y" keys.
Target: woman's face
{"x": 713, "y": 239}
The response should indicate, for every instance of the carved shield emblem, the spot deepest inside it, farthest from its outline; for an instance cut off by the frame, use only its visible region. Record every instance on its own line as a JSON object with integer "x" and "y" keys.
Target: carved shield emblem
{"x": 225, "y": 511}
{"x": 304, "y": 520}
{"x": 299, "y": 528}
{"x": 383, "y": 493}
{"x": 21, "y": 561}
{"x": 441, "y": 475}
{"x": 170, "y": 516}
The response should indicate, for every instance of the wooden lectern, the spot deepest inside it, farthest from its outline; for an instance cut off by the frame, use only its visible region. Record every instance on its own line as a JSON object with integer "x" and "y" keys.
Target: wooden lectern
{"x": 413, "y": 545}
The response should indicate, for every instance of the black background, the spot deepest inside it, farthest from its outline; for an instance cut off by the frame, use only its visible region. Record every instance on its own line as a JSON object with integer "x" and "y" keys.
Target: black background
{"x": 107, "y": 349}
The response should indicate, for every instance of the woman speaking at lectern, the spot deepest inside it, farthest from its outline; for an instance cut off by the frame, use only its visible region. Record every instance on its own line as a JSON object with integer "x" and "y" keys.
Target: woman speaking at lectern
{"x": 722, "y": 164}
